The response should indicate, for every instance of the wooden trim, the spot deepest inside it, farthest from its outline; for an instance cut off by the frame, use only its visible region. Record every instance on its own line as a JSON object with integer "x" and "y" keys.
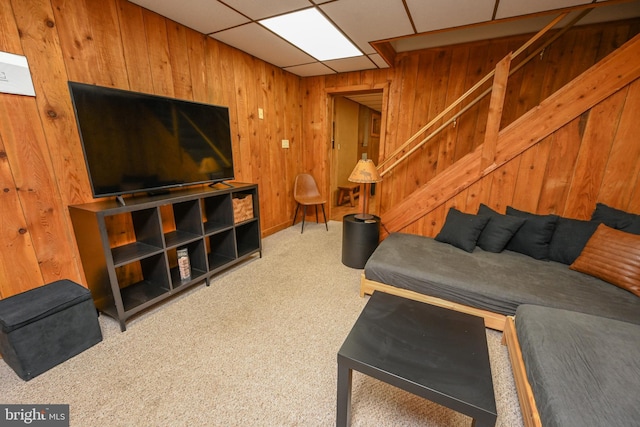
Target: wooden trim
{"x": 491, "y": 320}
{"x": 530, "y": 415}
{"x": 386, "y": 51}
{"x": 496, "y": 105}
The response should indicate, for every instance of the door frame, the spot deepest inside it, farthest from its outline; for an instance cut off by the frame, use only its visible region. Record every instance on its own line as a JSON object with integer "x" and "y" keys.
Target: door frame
{"x": 331, "y": 93}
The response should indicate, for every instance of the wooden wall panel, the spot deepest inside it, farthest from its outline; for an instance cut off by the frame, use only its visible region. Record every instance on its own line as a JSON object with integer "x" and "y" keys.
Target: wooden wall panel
{"x": 624, "y": 159}
{"x": 630, "y": 132}
{"x": 179, "y": 60}
{"x": 159, "y": 58}
{"x": 565, "y": 144}
{"x": 37, "y": 234}
{"x": 530, "y": 178}
{"x": 35, "y": 184}
{"x": 593, "y": 156}
{"x": 135, "y": 47}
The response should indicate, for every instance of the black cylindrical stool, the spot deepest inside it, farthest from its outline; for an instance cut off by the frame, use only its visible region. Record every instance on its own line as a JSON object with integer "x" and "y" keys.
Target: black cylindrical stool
{"x": 359, "y": 240}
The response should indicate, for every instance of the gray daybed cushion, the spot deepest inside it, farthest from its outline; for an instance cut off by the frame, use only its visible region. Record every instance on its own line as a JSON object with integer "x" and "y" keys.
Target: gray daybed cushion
{"x": 584, "y": 373}
{"x": 498, "y": 282}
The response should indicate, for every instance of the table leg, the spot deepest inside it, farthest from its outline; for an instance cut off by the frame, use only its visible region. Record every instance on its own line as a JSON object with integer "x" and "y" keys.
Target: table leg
{"x": 343, "y": 410}
{"x": 489, "y": 421}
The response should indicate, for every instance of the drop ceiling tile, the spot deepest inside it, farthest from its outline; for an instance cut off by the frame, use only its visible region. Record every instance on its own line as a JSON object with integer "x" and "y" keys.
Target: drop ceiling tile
{"x": 308, "y": 70}
{"x": 509, "y": 8}
{"x": 205, "y": 16}
{"x": 377, "y": 20}
{"x": 265, "y": 9}
{"x": 262, "y": 43}
{"x": 377, "y": 59}
{"x": 350, "y": 64}
{"x": 430, "y": 16}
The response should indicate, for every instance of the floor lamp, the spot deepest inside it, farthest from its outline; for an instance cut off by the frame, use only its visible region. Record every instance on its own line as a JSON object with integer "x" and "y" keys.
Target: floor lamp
{"x": 365, "y": 173}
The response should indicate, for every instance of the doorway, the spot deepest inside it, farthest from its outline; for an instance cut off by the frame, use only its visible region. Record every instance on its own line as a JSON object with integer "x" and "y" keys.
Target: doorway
{"x": 356, "y": 134}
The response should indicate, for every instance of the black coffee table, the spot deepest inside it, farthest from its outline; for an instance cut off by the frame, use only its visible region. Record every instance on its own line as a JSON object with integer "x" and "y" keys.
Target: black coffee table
{"x": 435, "y": 353}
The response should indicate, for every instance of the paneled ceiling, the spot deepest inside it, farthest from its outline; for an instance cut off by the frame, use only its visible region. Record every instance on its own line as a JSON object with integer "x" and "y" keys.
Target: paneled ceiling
{"x": 396, "y": 25}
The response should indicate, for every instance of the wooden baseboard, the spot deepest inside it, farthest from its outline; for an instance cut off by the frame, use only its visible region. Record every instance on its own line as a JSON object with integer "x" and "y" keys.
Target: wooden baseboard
{"x": 491, "y": 320}
{"x": 530, "y": 414}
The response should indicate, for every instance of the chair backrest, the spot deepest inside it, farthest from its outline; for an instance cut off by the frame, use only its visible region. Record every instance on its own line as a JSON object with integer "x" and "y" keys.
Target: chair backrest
{"x": 305, "y": 186}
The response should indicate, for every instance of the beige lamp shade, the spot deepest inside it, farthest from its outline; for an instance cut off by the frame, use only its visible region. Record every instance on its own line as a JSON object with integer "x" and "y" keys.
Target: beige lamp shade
{"x": 365, "y": 172}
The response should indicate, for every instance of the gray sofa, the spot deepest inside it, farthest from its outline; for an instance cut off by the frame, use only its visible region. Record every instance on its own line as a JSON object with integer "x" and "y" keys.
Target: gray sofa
{"x": 573, "y": 338}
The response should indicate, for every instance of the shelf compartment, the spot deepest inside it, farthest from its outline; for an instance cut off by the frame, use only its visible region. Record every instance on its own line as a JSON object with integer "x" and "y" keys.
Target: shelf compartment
{"x": 217, "y": 213}
{"x": 132, "y": 252}
{"x": 142, "y": 230}
{"x": 248, "y": 238}
{"x": 221, "y": 249}
{"x": 143, "y": 281}
{"x": 182, "y": 222}
{"x": 243, "y": 209}
{"x": 197, "y": 262}
{"x": 178, "y": 237}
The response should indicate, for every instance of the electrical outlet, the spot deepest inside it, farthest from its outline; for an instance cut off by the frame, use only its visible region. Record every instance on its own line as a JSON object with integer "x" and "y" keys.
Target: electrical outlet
{"x": 260, "y": 113}
{"x": 285, "y": 143}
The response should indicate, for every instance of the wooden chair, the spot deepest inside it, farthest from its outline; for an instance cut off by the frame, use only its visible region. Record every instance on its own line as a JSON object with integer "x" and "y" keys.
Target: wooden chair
{"x": 306, "y": 193}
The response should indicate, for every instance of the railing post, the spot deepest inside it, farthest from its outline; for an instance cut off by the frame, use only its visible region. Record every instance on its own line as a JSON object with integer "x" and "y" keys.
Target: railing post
{"x": 496, "y": 105}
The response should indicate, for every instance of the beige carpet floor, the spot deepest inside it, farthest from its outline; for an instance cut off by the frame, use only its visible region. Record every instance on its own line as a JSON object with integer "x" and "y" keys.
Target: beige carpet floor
{"x": 256, "y": 348}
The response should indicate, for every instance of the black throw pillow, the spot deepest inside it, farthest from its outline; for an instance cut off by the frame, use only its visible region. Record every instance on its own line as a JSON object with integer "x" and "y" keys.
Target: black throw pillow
{"x": 569, "y": 238}
{"x": 461, "y": 229}
{"x": 498, "y": 231}
{"x": 616, "y": 218}
{"x": 534, "y": 236}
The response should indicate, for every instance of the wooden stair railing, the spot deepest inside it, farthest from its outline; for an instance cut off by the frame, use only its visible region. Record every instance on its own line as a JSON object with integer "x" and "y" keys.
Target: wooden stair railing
{"x": 611, "y": 74}
{"x": 382, "y": 166}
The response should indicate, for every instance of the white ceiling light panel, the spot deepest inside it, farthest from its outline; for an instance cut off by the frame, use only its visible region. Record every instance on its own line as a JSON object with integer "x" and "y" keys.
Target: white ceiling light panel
{"x": 259, "y": 42}
{"x": 311, "y": 32}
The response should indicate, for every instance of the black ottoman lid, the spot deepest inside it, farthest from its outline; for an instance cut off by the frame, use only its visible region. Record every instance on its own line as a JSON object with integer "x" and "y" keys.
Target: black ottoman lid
{"x": 27, "y": 307}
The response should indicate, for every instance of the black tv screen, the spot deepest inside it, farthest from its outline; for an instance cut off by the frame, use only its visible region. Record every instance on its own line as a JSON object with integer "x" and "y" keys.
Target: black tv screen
{"x": 135, "y": 142}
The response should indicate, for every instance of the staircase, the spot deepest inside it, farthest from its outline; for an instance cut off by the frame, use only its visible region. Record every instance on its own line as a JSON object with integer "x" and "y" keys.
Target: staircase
{"x": 604, "y": 79}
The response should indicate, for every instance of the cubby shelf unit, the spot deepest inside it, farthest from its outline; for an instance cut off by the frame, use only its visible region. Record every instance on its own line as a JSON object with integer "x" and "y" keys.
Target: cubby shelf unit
{"x": 129, "y": 252}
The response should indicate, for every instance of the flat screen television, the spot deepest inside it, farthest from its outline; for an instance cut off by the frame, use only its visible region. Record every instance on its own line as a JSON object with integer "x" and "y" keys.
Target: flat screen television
{"x": 135, "y": 142}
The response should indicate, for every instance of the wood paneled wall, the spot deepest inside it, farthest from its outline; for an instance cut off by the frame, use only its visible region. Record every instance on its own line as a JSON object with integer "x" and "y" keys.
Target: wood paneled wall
{"x": 115, "y": 43}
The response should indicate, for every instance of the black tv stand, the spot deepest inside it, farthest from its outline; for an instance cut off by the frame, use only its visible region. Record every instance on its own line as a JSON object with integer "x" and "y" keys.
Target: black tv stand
{"x": 129, "y": 253}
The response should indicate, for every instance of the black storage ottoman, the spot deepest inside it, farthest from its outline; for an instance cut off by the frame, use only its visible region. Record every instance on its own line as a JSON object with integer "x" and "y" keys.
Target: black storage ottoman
{"x": 45, "y": 326}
